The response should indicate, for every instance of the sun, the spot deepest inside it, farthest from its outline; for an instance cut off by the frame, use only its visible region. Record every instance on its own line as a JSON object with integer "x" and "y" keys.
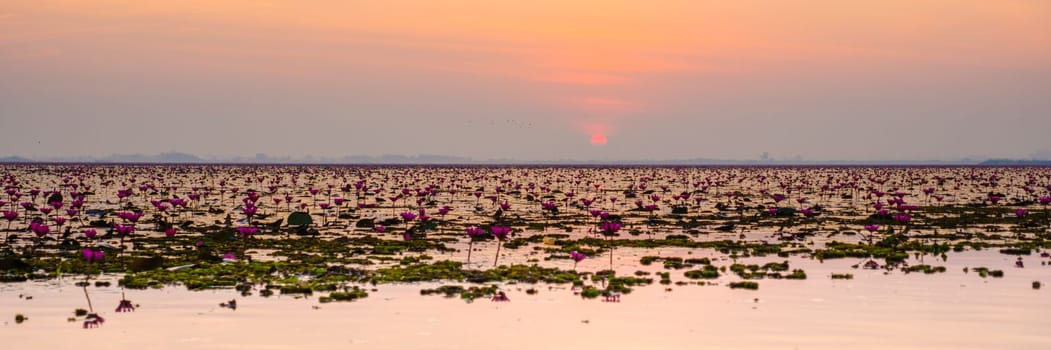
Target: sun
{"x": 598, "y": 139}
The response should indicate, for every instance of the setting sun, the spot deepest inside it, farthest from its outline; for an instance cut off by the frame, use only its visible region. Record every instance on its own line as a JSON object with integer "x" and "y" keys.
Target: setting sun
{"x": 598, "y": 139}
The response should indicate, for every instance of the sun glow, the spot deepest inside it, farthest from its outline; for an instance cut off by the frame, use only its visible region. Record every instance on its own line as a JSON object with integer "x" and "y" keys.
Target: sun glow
{"x": 598, "y": 139}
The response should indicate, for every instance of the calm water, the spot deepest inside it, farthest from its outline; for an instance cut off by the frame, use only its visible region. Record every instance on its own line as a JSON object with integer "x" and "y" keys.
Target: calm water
{"x": 875, "y": 310}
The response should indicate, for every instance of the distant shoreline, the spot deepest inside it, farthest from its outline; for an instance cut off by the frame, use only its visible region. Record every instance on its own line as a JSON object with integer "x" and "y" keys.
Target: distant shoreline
{"x": 1040, "y": 164}
{"x": 176, "y": 158}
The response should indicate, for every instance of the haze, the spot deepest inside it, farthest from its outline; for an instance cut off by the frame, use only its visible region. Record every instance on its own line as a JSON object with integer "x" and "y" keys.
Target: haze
{"x": 529, "y": 80}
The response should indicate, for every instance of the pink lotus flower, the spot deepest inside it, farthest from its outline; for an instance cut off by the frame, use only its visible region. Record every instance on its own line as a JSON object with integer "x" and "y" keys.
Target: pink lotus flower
{"x": 93, "y": 256}
{"x": 475, "y": 232}
{"x": 39, "y": 229}
{"x": 380, "y": 228}
{"x": 1021, "y": 212}
{"x": 170, "y": 232}
{"x": 408, "y": 216}
{"x": 124, "y": 230}
{"x": 130, "y": 216}
{"x": 610, "y": 228}
{"x": 500, "y": 232}
{"x": 90, "y": 233}
{"x": 577, "y": 257}
{"x": 247, "y": 231}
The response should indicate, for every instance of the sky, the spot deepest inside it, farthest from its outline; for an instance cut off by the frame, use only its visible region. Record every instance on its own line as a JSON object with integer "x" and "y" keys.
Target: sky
{"x": 529, "y": 80}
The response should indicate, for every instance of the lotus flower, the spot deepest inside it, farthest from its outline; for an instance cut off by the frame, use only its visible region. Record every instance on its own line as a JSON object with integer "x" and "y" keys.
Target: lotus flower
{"x": 247, "y": 231}
{"x": 500, "y": 232}
{"x": 124, "y": 230}
{"x": 577, "y": 257}
{"x": 93, "y": 256}
{"x": 610, "y": 228}
{"x": 39, "y": 229}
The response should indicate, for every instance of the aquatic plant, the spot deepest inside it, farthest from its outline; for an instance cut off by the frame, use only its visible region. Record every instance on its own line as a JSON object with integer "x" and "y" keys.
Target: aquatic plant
{"x": 500, "y": 232}
{"x": 577, "y": 257}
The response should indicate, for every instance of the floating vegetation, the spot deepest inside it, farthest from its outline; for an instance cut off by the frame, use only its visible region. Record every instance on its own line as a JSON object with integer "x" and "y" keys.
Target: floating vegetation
{"x": 770, "y": 270}
{"x": 986, "y": 272}
{"x": 350, "y": 294}
{"x": 744, "y": 285}
{"x": 708, "y": 272}
{"x": 927, "y": 269}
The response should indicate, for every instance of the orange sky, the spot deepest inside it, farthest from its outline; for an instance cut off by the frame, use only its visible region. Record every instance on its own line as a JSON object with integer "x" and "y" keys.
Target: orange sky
{"x": 587, "y": 66}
